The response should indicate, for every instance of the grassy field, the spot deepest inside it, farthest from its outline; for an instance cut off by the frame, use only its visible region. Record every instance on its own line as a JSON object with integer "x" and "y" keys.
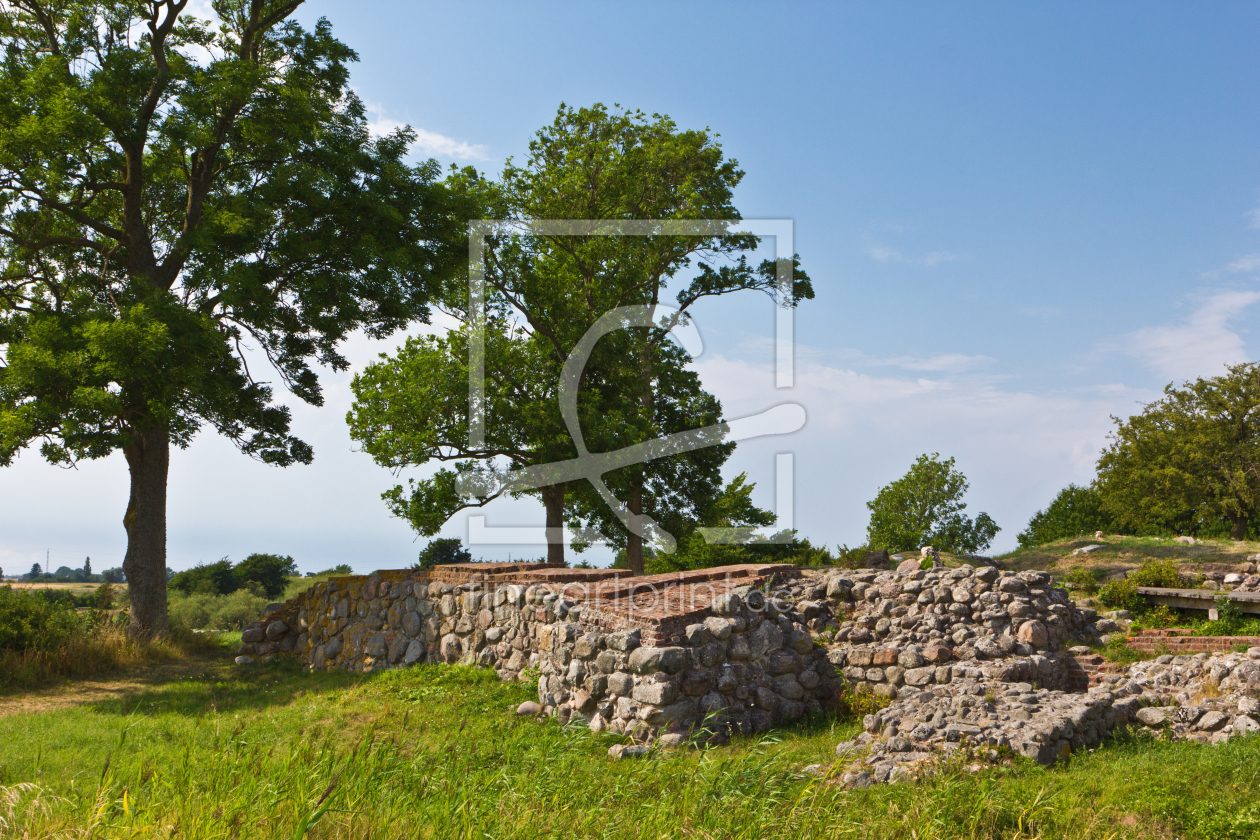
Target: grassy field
{"x": 1121, "y": 554}
{"x": 435, "y": 752}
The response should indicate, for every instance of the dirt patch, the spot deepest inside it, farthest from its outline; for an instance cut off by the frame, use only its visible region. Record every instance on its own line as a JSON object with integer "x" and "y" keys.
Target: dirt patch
{"x": 92, "y": 690}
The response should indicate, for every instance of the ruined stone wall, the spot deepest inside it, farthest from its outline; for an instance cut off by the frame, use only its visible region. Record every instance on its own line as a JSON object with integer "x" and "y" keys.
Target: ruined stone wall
{"x": 642, "y": 655}
{"x": 903, "y": 631}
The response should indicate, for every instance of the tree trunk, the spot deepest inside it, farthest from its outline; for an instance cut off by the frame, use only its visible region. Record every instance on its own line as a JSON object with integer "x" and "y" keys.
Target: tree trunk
{"x": 148, "y": 458}
{"x": 634, "y": 542}
{"x": 553, "y": 500}
{"x": 1240, "y": 527}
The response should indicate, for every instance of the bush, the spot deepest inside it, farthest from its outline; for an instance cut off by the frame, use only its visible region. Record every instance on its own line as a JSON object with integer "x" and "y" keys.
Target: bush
{"x": 1075, "y": 511}
{"x": 336, "y": 571}
{"x": 207, "y": 578}
{"x": 442, "y": 552}
{"x": 269, "y": 571}
{"x": 33, "y": 622}
{"x": 1158, "y": 573}
{"x": 1122, "y": 595}
{"x": 203, "y": 611}
{"x": 1083, "y": 579}
{"x": 925, "y": 507}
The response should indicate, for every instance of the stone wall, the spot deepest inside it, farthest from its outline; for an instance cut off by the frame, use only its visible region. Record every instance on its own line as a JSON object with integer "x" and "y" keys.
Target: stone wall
{"x": 903, "y": 631}
{"x": 644, "y": 655}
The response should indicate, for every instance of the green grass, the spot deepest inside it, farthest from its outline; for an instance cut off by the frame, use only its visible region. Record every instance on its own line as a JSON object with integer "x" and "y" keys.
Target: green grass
{"x": 436, "y": 752}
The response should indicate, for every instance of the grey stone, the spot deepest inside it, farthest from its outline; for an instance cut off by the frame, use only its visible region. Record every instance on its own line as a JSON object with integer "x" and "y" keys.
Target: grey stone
{"x": 1211, "y": 721}
{"x": 728, "y": 604}
{"x": 646, "y": 660}
{"x": 655, "y": 693}
{"x": 627, "y": 750}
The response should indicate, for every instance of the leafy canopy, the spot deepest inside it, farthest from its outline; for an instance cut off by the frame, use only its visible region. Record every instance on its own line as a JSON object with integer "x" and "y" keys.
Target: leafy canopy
{"x": 443, "y": 551}
{"x": 172, "y": 192}
{"x": 1189, "y": 458}
{"x": 267, "y": 574}
{"x": 1075, "y": 511}
{"x": 925, "y": 507}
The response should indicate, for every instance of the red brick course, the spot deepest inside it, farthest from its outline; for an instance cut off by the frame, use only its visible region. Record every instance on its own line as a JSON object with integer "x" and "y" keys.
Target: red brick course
{"x": 1177, "y": 641}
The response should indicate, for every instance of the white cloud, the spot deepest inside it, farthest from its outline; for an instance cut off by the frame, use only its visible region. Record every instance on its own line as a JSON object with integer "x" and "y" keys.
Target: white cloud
{"x": 1251, "y": 262}
{"x": 1017, "y": 448}
{"x": 428, "y": 143}
{"x": 1254, "y": 216}
{"x": 1199, "y": 346}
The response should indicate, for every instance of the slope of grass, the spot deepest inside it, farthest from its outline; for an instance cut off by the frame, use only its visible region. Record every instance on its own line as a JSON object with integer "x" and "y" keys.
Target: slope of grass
{"x": 1121, "y": 554}
{"x": 435, "y": 752}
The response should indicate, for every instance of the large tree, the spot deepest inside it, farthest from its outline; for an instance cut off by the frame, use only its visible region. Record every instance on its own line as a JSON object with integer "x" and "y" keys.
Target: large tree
{"x": 1075, "y": 511}
{"x": 593, "y": 164}
{"x": 1190, "y": 457}
{"x": 925, "y": 507}
{"x": 411, "y": 409}
{"x": 173, "y": 194}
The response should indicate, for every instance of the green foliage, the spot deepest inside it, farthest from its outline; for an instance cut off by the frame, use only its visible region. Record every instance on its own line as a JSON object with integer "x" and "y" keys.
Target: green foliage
{"x": 1122, "y": 595}
{"x": 217, "y": 578}
{"x": 1161, "y": 573}
{"x": 851, "y": 558}
{"x": 1074, "y": 512}
{"x": 29, "y": 621}
{"x": 1083, "y": 579}
{"x": 380, "y": 751}
{"x": 339, "y": 570}
{"x": 205, "y": 611}
{"x": 158, "y": 210}
{"x": 265, "y": 574}
{"x": 442, "y": 552}
{"x": 543, "y": 294}
{"x": 271, "y": 572}
{"x": 924, "y": 507}
{"x": 1118, "y": 650}
{"x": 1189, "y": 459}
{"x": 1158, "y": 617}
{"x": 103, "y": 597}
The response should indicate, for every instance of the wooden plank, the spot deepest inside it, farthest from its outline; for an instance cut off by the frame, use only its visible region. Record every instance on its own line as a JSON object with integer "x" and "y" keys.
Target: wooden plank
{"x": 1200, "y": 599}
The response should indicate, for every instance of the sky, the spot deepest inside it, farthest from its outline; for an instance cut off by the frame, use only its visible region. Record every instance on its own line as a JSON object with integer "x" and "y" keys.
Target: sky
{"x": 1020, "y": 220}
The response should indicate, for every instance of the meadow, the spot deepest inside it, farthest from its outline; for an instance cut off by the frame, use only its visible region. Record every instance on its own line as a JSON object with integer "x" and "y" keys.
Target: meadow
{"x": 437, "y": 752}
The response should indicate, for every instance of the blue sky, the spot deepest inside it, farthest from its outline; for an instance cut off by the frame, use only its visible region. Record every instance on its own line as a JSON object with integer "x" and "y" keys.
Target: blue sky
{"x": 1020, "y": 219}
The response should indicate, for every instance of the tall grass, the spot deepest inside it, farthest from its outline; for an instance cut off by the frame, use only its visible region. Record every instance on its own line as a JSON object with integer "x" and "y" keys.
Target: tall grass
{"x": 436, "y": 752}
{"x": 42, "y": 641}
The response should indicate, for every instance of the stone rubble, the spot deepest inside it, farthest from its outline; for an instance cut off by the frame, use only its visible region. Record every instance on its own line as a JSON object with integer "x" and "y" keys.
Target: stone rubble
{"x": 973, "y": 659}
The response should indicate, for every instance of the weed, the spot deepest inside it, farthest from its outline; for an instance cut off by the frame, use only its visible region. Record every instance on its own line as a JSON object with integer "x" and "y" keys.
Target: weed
{"x": 1158, "y": 573}
{"x": 1082, "y": 579}
{"x": 1122, "y": 595}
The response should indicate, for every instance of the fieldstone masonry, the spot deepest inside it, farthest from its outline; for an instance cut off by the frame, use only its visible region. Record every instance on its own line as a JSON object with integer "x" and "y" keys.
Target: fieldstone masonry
{"x": 971, "y": 658}
{"x": 644, "y": 655}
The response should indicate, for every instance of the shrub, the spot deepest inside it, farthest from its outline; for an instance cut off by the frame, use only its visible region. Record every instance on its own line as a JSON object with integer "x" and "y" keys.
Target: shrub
{"x": 442, "y": 552}
{"x": 925, "y": 507}
{"x": 851, "y": 558}
{"x": 1075, "y": 511}
{"x": 1157, "y": 573}
{"x": 336, "y": 571}
{"x": 203, "y": 611}
{"x": 207, "y": 578}
{"x": 1121, "y": 595}
{"x": 270, "y": 571}
{"x": 1082, "y": 579}
{"x": 33, "y": 622}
